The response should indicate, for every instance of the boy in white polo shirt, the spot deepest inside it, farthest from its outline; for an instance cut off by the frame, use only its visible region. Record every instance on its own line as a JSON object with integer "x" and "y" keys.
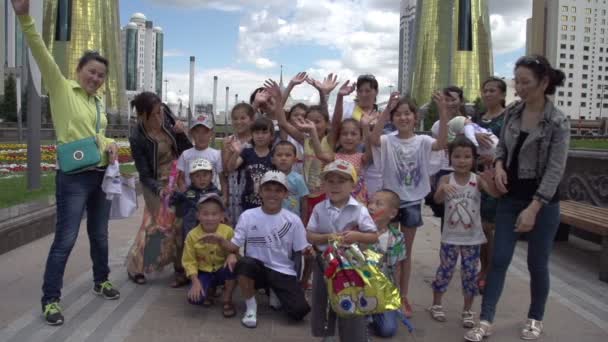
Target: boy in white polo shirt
{"x": 340, "y": 215}
{"x": 270, "y": 236}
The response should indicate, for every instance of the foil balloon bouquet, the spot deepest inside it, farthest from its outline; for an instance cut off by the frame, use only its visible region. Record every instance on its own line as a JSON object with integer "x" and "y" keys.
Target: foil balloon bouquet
{"x": 355, "y": 284}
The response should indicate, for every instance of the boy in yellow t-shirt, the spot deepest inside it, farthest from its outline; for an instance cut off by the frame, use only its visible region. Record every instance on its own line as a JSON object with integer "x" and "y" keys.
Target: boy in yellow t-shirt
{"x": 207, "y": 264}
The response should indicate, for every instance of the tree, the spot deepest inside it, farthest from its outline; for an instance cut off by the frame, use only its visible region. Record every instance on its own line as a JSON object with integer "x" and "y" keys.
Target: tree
{"x": 9, "y": 103}
{"x": 432, "y": 115}
{"x": 478, "y": 106}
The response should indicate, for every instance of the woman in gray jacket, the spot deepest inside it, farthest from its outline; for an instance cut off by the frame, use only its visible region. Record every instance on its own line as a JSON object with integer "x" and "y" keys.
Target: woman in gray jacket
{"x": 530, "y": 160}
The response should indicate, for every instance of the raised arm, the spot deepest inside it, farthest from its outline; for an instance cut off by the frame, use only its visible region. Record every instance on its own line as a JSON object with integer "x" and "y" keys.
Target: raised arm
{"x": 275, "y": 106}
{"x": 309, "y": 127}
{"x": 336, "y": 120}
{"x": 298, "y": 79}
{"x": 366, "y": 121}
{"x": 324, "y": 88}
{"x": 442, "y": 137}
{"x": 383, "y": 119}
{"x": 53, "y": 78}
{"x": 235, "y": 160}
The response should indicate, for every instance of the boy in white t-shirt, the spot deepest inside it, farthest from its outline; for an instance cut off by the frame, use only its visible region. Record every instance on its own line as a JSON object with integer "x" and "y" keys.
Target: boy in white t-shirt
{"x": 270, "y": 235}
{"x": 201, "y": 133}
{"x": 340, "y": 215}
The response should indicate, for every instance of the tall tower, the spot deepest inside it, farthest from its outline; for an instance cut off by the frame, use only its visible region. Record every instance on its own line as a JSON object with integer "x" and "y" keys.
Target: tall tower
{"x": 143, "y": 55}
{"x": 73, "y": 26}
{"x": 453, "y": 46}
{"x": 407, "y": 37}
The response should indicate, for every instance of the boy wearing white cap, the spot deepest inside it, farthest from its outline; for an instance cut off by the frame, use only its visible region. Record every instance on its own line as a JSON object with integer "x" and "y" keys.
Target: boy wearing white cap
{"x": 201, "y": 175}
{"x": 339, "y": 216}
{"x": 201, "y": 133}
{"x": 270, "y": 235}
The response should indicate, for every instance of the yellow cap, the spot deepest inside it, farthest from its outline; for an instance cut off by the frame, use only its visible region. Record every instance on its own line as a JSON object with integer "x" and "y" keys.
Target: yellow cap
{"x": 340, "y": 166}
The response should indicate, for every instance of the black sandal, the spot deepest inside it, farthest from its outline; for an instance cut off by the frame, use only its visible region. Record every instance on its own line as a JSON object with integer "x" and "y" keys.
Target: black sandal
{"x": 137, "y": 278}
{"x": 228, "y": 310}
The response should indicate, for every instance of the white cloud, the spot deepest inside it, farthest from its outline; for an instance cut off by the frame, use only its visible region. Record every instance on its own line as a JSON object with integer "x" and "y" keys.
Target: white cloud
{"x": 264, "y": 63}
{"x": 174, "y": 53}
{"x": 366, "y": 37}
{"x": 508, "y": 21}
{"x": 508, "y": 33}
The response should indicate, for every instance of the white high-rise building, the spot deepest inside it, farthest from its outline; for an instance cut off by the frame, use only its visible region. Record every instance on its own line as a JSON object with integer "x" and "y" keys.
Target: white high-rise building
{"x": 407, "y": 36}
{"x": 576, "y": 41}
{"x": 143, "y": 55}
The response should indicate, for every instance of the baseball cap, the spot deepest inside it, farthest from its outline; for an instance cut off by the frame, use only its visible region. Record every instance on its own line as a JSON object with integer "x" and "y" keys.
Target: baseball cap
{"x": 204, "y": 120}
{"x": 456, "y": 127}
{"x": 340, "y": 166}
{"x": 212, "y": 196}
{"x": 200, "y": 164}
{"x": 274, "y": 176}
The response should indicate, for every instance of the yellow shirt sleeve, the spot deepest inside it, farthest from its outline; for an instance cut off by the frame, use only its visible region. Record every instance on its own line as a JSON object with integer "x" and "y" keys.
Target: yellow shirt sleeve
{"x": 189, "y": 261}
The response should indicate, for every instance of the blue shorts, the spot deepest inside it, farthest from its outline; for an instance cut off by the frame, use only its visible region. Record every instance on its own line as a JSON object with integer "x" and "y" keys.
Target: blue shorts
{"x": 212, "y": 279}
{"x": 410, "y": 214}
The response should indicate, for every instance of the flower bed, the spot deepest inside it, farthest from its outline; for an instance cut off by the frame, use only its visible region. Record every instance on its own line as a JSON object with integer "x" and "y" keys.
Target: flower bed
{"x": 13, "y": 157}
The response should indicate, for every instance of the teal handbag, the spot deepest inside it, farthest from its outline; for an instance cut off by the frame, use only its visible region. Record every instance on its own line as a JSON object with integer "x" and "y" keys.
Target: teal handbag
{"x": 80, "y": 155}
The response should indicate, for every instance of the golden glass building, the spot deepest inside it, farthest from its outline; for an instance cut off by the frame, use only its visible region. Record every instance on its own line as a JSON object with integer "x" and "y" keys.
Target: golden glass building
{"x": 73, "y": 26}
{"x": 453, "y": 47}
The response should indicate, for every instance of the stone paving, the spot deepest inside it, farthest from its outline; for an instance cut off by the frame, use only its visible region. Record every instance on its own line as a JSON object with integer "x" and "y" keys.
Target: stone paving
{"x": 577, "y": 308}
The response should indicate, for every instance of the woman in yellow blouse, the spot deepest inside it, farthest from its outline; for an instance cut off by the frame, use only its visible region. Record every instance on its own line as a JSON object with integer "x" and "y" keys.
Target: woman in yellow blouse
{"x": 74, "y": 106}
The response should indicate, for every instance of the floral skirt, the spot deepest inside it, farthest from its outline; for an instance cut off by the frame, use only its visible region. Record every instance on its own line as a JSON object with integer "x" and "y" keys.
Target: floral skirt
{"x": 158, "y": 241}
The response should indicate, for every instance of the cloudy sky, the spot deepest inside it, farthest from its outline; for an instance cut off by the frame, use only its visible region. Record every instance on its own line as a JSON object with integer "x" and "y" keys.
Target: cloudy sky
{"x": 244, "y": 42}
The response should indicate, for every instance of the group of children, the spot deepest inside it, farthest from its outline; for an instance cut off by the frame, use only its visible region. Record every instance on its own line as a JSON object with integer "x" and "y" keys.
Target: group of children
{"x": 291, "y": 185}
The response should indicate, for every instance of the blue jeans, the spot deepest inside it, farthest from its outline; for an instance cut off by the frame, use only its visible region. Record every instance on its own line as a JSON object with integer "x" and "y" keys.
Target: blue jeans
{"x": 74, "y": 193}
{"x": 385, "y": 324}
{"x": 540, "y": 243}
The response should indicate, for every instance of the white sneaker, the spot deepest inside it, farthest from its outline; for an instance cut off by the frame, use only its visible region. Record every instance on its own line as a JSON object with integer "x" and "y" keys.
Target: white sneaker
{"x": 250, "y": 319}
{"x": 274, "y": 301}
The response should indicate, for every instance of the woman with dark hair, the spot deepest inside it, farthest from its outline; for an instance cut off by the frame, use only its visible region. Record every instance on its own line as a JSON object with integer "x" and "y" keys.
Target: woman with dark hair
{"x": 530, "y": 161}
{"x": 78, "y": 113}
{"x": 493, "y": 93}
{"x": 156, "y": 143}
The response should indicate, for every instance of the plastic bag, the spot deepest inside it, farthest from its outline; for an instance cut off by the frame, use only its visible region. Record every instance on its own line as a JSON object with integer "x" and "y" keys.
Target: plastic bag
{"x": 125, "y": 204}
{"x": 355, "y": 284}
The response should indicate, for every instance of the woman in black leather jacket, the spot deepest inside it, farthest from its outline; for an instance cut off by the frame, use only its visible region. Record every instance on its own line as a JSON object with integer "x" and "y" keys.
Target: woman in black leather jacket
{"x": 156, "y": 143}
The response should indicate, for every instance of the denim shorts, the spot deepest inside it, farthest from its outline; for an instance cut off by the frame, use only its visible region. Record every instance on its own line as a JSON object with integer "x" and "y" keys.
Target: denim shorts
{"x": 410, "y": 214}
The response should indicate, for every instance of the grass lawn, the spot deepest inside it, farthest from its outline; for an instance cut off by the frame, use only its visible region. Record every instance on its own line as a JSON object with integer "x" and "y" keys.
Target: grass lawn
{"x": 14, "y": 189}
{"x": 600, "y": 144}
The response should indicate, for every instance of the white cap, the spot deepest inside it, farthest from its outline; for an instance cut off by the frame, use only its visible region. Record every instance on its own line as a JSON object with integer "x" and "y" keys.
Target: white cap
{"x": 202, "y": 120}
{"x": 200, "y": 164}
{"x": 275, "y": 176}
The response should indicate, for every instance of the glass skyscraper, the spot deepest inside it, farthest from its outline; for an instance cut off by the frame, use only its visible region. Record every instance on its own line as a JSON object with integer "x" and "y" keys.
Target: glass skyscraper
{"x": 453, "y": 47}
{"x": 72, "y": 27}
